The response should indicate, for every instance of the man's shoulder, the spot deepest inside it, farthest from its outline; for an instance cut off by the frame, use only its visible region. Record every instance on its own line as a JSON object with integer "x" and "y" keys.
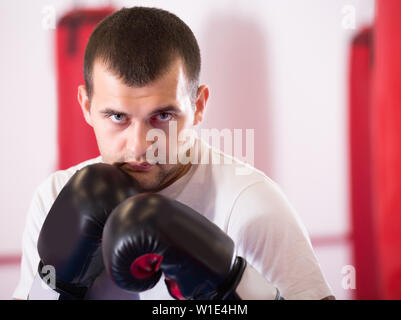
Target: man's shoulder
{"x": 241, "y": 183}
{"x": 232, "y": 169}
{"x": 248, "y": 186}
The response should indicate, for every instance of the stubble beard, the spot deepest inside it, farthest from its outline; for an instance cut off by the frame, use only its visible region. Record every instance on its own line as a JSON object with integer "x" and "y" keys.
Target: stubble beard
{"x": 157, "y": 179}
{"x": 163, "y": 177}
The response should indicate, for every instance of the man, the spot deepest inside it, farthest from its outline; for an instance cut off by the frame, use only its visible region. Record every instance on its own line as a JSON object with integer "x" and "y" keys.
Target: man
{"x": 141, "y": 73}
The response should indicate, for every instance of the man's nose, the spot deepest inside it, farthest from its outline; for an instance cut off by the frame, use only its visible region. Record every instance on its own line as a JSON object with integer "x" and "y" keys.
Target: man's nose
{"x": 136, "y": 140}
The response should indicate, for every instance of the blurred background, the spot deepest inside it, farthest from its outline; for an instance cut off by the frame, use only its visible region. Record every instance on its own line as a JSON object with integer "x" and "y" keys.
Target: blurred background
{"x": 300, "y": 73}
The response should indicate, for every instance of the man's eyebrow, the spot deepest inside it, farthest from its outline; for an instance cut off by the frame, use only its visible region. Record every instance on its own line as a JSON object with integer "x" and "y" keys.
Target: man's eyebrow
{"x": 112, "y": 111}
{"x": 169, "y": 108}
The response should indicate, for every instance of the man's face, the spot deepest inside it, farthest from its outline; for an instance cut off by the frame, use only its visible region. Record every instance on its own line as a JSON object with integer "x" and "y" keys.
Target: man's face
{"x": 122, "y": 116}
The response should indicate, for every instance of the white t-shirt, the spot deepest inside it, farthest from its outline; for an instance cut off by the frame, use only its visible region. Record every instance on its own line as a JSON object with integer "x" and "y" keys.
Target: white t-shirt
{"x": 246, "y": 204}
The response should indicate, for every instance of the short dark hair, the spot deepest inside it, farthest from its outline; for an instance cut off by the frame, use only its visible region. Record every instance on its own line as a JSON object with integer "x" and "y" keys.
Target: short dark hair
{"x": 139, "y": 44}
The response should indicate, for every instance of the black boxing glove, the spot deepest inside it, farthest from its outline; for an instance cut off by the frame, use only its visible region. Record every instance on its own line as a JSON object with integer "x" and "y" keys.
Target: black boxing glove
{"x": 149, "y": 234}
{"x": 70, "y": 238}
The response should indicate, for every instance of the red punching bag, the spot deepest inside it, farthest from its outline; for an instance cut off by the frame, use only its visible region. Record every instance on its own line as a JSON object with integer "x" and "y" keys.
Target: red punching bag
{"x": 386, "y": 122}
{"x": 362, "y": 214}
{"x": 76, "y": 139}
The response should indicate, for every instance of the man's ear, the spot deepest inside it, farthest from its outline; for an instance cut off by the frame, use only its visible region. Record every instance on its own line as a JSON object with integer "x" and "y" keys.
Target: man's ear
{"x": 85, "y": 105}
{"x": 201, "y": 101}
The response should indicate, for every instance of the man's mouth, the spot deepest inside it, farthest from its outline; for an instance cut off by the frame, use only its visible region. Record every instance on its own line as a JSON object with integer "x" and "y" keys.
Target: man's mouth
{"x": 139, "y": 167}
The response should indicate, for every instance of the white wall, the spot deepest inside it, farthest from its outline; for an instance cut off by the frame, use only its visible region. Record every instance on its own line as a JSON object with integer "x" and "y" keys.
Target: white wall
{"x": 279, "y": 67}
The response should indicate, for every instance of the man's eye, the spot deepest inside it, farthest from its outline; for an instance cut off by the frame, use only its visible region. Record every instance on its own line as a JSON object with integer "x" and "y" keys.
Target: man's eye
{"x": 162, "y": 117}
{"x": 117, "y": 118}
